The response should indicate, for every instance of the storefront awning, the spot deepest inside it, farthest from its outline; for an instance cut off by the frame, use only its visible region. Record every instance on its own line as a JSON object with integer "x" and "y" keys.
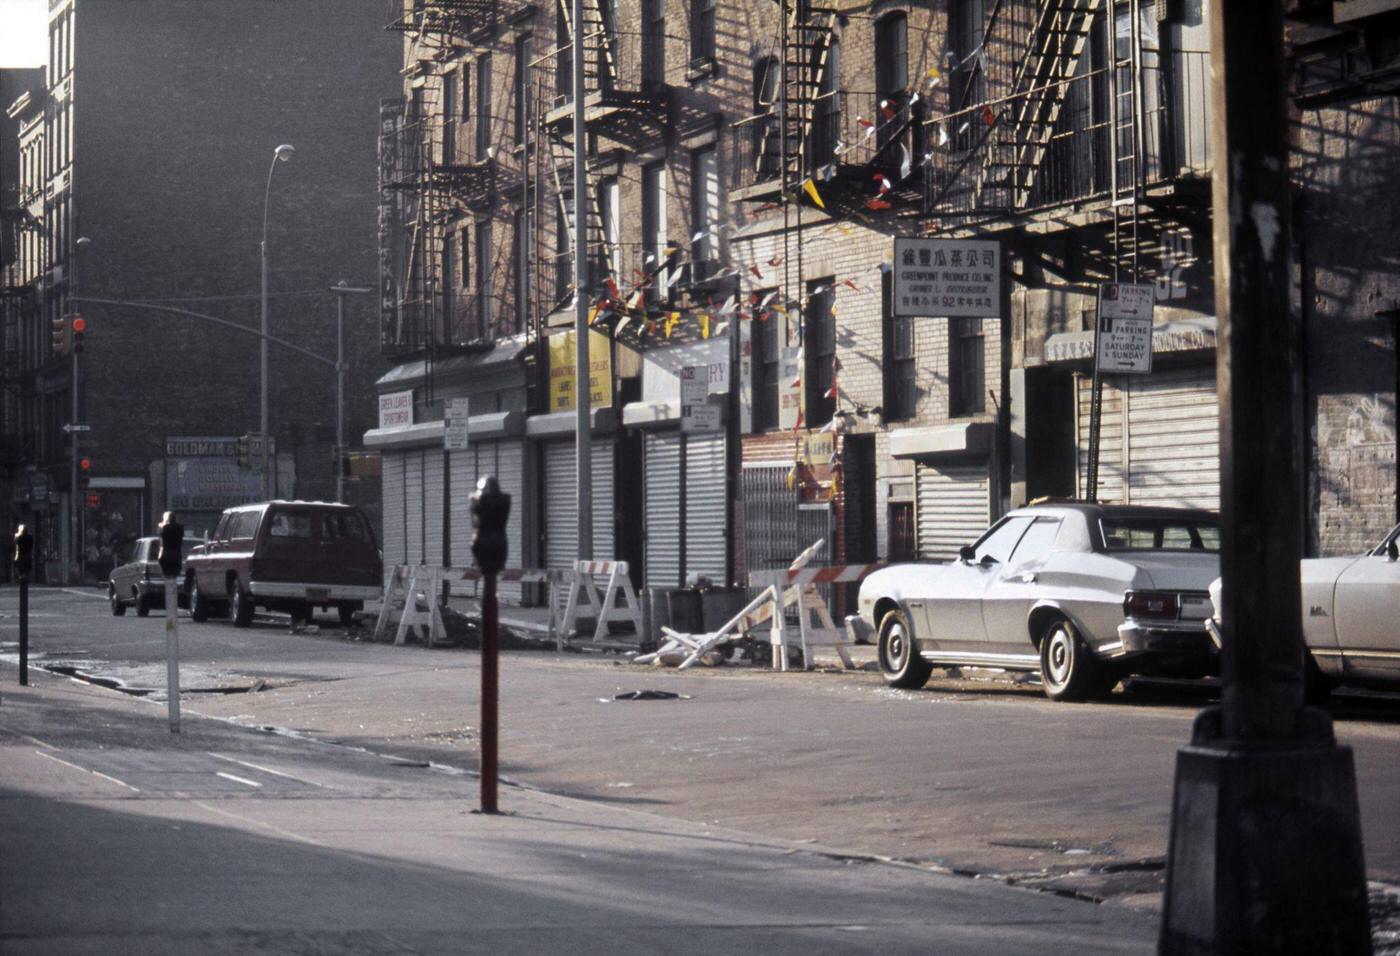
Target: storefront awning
{"x": 1191, "y": 334}
{"x": 938, "y": 441}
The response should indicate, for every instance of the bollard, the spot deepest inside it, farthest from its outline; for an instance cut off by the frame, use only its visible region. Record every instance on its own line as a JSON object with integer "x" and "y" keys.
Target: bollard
{"x": 172, "y": 543}
{"x": 490, "y": 508}
{"x": 24, "y": 563}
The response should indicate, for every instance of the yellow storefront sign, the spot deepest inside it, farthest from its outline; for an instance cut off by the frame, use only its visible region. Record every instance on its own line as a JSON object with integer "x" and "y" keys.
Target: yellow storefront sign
{"x": 563, "y": 371}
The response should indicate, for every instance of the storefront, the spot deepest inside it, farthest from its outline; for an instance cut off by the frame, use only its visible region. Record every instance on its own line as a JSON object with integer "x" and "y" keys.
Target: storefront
{"x": 953, "y": 484}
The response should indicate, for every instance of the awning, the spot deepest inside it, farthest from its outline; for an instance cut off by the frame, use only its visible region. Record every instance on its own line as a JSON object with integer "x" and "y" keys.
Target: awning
{"x": 942, "y": 441}
{"x": 1192, "y": 334}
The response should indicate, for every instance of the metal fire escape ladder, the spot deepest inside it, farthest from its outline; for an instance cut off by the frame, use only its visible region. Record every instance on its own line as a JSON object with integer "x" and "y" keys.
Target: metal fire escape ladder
{"x": 1027, "y": 118}
{"x": 1126, "y": 144}
{"x": 806, "y": 55}
{"x": 425, "y": 241}
{"x": 600, "y": 57}
{"x": 597, "y": 239}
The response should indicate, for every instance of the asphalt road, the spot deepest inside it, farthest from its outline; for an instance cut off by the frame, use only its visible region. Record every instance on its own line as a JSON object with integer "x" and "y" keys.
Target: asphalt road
{"x": 979, "y": 777}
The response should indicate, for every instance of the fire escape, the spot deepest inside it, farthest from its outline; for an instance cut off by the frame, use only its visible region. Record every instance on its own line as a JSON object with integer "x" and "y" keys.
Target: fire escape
{"x": 625, "y": 102}
{"x": 437, "y": 178}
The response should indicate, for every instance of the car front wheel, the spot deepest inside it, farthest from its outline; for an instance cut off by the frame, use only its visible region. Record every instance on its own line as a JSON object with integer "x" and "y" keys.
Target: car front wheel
{"x": 1068, "y": 669}
{"x": 118, "y": 608}
{"x": 199, "y": 604}
{"x": 240, "y": 607}
{"x": 899, "y": 656}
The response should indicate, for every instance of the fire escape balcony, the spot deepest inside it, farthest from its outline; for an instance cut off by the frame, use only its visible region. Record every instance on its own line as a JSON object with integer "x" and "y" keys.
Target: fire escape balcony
{"x": 624, "y": 82}
{"x": 444, "y": 18}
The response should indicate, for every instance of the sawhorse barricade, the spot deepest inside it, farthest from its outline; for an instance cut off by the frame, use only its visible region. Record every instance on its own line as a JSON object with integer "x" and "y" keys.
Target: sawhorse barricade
{"x": 585, "y": 599}
{"x": 799, "y": 587}
{"x": 409, "y": 586}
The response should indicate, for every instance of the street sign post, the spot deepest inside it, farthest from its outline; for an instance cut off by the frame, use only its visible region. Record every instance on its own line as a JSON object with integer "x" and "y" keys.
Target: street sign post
{"x": 454, "y": 434}
{"x": 697, "y": 414}
{"x": 1122, "y": 345}
{"x": 70, "y": 429}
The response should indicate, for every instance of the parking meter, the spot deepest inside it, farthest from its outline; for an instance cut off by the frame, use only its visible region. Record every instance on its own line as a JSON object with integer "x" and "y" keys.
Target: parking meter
{"x": 24, "y": 551}
{"x": 172, "y": 543}
{"x": 490, "y": 509}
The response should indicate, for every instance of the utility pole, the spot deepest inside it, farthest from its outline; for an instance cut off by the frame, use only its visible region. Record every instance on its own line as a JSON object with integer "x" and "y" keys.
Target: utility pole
{"x": 1265, "y": 853}
{"x": 341, "y": 290}
{"x": 582, "y": 396}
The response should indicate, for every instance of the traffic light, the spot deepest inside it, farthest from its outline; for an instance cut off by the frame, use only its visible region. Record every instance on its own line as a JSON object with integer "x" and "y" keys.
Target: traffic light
{"x": 245, "y": 451}
{"x": 62, "y": 342}
{"x": 79, "y": 326}
{"x": 84, "y": 471}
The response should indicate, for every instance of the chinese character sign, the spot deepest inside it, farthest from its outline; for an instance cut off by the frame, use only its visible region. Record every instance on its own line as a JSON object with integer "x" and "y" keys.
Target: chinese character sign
{"x": 947, "y": 277}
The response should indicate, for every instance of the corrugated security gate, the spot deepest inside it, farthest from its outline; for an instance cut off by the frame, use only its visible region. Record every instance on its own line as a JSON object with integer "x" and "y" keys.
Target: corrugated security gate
{"x": 561, "y": 502}
{"x": 412, "y": 494}
{"x": 505, "y": 460}
{"x": 662, "y": 508}
{"x": 776, "y": 526}
{"x": 706, "y": 504}
{"x": 952, "y": 507}
{"x": 1159, "y": 439}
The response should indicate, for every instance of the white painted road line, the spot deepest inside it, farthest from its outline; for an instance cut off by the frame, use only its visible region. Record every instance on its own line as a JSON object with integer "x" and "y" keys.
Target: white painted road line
{"x": 242, "y": 780}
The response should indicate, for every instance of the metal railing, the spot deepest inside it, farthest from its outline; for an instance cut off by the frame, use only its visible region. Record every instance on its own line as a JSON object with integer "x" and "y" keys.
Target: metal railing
{"x": 625, "y": 63}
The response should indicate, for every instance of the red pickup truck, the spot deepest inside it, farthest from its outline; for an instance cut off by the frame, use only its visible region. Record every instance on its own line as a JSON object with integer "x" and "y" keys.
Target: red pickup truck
{"x": 292, "y": 556}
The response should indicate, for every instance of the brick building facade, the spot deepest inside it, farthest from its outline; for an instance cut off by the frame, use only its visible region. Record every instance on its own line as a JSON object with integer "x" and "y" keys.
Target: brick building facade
{"x": 750, "y": 168}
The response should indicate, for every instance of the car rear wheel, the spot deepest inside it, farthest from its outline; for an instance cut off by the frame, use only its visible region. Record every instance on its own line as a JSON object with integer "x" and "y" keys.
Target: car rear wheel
{"x": 199, "y": 604}
{"x": 346, "y": 612}
{"x": 899, "y": 656}
{"x": 143, "y": 606}
{"x": 118, "y": 608}
{"x": 1068, "y": 669}
{"x": 240, "y": 606}
{"x": 1317, "y": 686}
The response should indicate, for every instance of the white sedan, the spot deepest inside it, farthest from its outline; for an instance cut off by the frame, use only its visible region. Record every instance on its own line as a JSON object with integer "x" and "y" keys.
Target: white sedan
{"x": 1350, "y": 606}
{"x": 1084, "y": 593}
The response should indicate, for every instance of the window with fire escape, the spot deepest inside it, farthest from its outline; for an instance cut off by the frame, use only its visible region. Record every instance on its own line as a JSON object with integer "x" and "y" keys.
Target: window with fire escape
{"x": 967, "y": 367}
{"x": 520, "y": 266}
{"x": 563, "y": 247}
{"x": 704, "y": 214}
{"x": 447, "y": 273}
{"x": 826, "y": 112}
{"x": 483, "y": 279}
{"x": 521, "y": 93}
{"x": 609, "y": 217}
{"x": 766, "y": 131}
{"x": 653, "y": 45}
{"x": 767, "y": 342}
{"x": 967, "y": 83}
{"x": 654, "y": 232}
{"x": 449, "y": 117}
{"x": 702, "y": 33}
{"x": 892, "y": 82}
{"x": 819, "y": 350}
{"x": 483, "y": 105}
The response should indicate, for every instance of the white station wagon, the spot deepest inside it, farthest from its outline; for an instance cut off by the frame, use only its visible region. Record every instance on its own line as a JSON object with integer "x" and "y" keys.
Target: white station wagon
{"x": 1084, "y": 593}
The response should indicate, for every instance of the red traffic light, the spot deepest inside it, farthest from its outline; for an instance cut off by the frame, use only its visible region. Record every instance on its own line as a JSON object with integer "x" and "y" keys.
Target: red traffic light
{"x": 85, "y": 464}
{"x": 79, "y": 324}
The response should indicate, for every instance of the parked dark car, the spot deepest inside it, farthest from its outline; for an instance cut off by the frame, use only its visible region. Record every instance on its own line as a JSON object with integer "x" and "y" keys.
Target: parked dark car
{"x": 292, "y": 556}
{"x": 137, "y": 582}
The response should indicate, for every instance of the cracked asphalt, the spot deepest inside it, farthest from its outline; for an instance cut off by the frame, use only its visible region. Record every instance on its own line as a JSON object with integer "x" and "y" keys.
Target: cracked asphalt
{"x": 977, "y": 776}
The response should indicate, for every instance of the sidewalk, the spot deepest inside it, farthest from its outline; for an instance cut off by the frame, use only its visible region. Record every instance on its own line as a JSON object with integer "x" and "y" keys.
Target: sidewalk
{"x": 120, "y": 837}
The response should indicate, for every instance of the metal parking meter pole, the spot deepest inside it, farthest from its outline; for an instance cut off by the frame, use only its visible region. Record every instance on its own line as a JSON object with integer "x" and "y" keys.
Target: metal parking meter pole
{"x": 490, "y": 509}
{"x": 24, "y": 563}
{"x": 172, "y": 537}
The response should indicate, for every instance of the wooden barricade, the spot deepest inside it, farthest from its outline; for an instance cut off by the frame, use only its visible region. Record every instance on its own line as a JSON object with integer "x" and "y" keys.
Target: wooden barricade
{"x": 584, "y": 594}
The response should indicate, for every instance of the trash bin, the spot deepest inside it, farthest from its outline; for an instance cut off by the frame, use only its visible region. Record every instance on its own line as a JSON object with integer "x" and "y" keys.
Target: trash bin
{"x": 685, "y": 610}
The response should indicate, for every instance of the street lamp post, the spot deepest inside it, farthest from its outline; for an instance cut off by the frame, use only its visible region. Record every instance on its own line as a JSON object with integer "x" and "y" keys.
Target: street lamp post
{"x": 76, "y": 549}
{"x": 283, "y": 153}
{"x": 341, "y": 289}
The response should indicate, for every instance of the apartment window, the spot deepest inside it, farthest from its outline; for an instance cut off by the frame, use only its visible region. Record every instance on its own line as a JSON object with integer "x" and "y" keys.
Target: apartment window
{"x": 966, "y": 22}
{"x": 447, "y": 273}
{"x": 819, "y": 349}
{"x": 609, "y": 217}
{"x": 766, "y": 132}
{"x": 704, "y": 213}
{"x": 653, "y": 44}
{"x": 654, "y": 230}
{"x": 483, "y": 105}
{"x": 900, "y": 390}
{"x": 606, "y": 46}
{"x": 483, "y": 279}
{"x": 892, "y": 71}
{"x": 520, "y": 266}
{"x": 702, "y": 32}
{"x": 449, "y": 118}
{"x": 522, "y": 89}
{"x": 563, "y": 247}
{"x": 903, "y": 545}
{"x": 826, "y": 114}
{"x": 563, "y": 58}
{"x": 967, "y": 369}
{"x": 768, "y": 341}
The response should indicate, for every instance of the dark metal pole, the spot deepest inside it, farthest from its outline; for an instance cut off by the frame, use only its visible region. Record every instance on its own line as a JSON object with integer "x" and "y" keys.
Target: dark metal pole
{"x": 1266, "y": 852}
{"x": 490, "y": 659}
{"x": 24, "y": 630}
{"x": 583, "y": 370}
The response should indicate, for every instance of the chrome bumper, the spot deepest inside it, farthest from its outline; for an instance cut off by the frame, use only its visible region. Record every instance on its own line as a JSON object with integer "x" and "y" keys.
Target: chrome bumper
{"x": 1137, "y": 639}
{"x": 316, "y": 593}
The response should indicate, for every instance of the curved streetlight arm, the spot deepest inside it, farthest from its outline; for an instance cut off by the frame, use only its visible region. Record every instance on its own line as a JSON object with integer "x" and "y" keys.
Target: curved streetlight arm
{"x": 137, "y": 304}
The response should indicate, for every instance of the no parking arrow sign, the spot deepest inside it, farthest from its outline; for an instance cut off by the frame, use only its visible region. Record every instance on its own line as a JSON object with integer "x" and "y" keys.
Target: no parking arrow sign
{"x": 1123, "y": 342}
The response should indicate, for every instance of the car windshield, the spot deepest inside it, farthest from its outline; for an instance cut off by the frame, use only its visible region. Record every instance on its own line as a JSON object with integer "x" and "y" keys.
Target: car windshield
{"x": 1154, "y": 533}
